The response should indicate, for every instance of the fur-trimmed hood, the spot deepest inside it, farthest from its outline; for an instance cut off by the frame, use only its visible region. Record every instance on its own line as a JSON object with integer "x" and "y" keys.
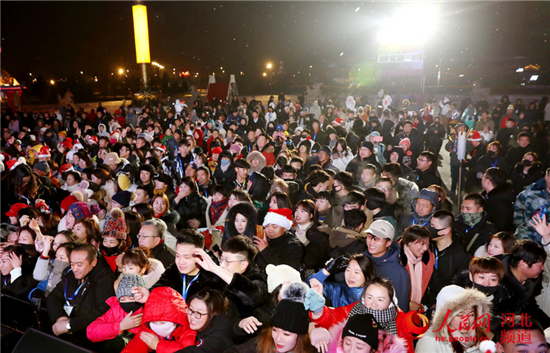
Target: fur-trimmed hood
{"x": 465, "y": 300}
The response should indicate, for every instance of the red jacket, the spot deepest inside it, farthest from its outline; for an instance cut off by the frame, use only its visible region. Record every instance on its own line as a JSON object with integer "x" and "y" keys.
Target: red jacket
{"x": 333, "y": 316}
{"x": 164, "y": 304}
{"x": 107, "y": 326}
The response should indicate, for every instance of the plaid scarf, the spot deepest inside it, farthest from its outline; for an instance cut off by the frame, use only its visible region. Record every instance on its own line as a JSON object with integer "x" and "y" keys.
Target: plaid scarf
{"x": 216, "y": 210}
{"x": 386, "y": 318}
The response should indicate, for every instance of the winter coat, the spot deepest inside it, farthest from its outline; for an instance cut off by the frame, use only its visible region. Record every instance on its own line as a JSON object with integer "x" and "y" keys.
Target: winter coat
{"x": 427, "y": 263}
{"x": 499, "y": 206}
{"x": 107, "y": 326}
{"x": 164, "y": 304}
{"x": 246, "y": 209}
{"x": 156, "y": 269}
{"x": 444, "y": 315}
{"x": 356, "y": 164}
{"x": 286, "y": 249}
{"x": 164, "y": 254}
{"x": 216, "y": 338}
{"x": 173, "y": 278}
{"x": 332, "y": 317}
{"x": 316, "y": 252}
{"x": 190, "y": 207}
{"x": 426, "y": 178}
{"x": 346, "y": 242}
{"x": 172, "y": 220}
{"x": 389, "y": 266}
{"x": 89, "y": 303}
{"x": 520, "y": 181}
{"x": 248, "y": 290}
{"x": 475, "y": 236}
{"x": 535, "y": 198}
{"x": 339, "y": 293}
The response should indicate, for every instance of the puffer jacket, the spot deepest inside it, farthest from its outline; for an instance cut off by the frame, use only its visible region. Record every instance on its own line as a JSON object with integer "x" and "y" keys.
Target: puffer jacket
{"x": 164, "y": 304}
{"x": 107, "y": 326}
{"x": 190, "y": 207}
{"x": 339, "y": 293}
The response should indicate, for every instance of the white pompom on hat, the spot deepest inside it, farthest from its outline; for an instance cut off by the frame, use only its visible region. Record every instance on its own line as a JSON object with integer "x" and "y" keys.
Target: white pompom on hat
{"x": 277, "y": 275}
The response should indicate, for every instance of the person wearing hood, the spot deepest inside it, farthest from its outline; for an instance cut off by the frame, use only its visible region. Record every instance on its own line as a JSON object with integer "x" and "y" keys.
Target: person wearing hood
{"x": 450, "y": 256}
{"x": 365, "y": 155}
{"x": 384, "y": 253}
{"x": 424, "y": 205}
{"x": 379, "y": 148}
{"x": 241, "y": 220}
{"x": 102, "y": 131}
{"x": 316, "y": 182}
{"x": 472, "y": 224}
{"x": 396, "y": 156}
{"x": 257, "y": 162}
{"x": 526, "y": 172}
{"x": 225, "y": 170}
{"x": 458, "y": 322}
{"x": 376, "y": 207}
{"x": 164, "y": 327}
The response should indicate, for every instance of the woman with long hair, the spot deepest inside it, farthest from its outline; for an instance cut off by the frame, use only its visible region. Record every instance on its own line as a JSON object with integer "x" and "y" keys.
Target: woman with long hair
{"x": 161, "y": 210}
{"x": 241, "y": 219}
{"x": 190, "y": 205}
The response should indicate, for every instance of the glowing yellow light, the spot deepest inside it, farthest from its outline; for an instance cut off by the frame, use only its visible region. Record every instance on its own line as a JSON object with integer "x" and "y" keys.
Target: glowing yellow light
{"x": 264, "y": 74}
{"x": 268, "y": 66}
{"x": 141, "y": 34}
{"x": 52, "y": 82}
{"x": 120, "y": 71}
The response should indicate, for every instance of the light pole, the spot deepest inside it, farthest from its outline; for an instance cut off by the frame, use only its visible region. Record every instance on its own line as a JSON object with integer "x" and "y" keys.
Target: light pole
{"x": 141, "y": 34}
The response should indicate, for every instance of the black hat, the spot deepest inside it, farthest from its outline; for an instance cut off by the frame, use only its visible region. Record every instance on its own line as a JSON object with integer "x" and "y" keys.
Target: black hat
{"x": 315, "y": 148}
{"x": 178, "y": 131}
{"x": 368, "y": 145}
{"x": 162, "y": 177}
{"x": 363, "y": 327}
{"x": 123, "y": 198}
{"x": 330, "y": 130}
{"x": 148, "y": 168}
{"x": 291, "y": 316}
{"x": 241, "y": 163}
{"x": 326, "y": 150}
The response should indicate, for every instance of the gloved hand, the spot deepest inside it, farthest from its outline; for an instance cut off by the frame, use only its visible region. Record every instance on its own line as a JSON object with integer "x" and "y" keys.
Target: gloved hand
{"x": 338, "y": 264}
{"x": 314, "y": 301}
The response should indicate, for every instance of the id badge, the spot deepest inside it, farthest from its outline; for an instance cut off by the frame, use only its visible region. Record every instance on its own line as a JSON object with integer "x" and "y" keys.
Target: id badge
{"x": 68, "y": 309}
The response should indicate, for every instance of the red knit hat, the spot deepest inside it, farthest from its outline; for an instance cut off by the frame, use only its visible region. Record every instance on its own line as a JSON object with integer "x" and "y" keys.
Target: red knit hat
{"x": 67, "y": 202}
{"x": 217, "y": 150}
{"x": 281, "y": 217}
{"x": 15, "y": 208}
{"x": 116, "y": 226}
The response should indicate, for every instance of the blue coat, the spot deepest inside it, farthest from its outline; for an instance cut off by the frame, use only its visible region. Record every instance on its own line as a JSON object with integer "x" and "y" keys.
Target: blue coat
{"x": 338, "y": 292}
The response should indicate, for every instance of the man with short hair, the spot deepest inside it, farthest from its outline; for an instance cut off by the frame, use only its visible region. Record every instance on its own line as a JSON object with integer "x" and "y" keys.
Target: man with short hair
{"x": 315, "y": 183}
{"x": 368, "y": 174}
{"x": 325, "y": 160}
{"x": 472, "y": 225}
{"x": 450, "y": 256}
{"x": 205, "y": 183}
{"x": 346, "y": 238}
{"x": 384, "y": 253}
{"x": 515, "y": 154}
{"x": 241, "y": 176}
{"x": 406, "y": 190}
{"x": 426, "y": 173}
{"x": 151, "y": 236}
{"x": 499, "y": 199}
{"x": 522, "y": 335}
{"x": 79, "y": 298}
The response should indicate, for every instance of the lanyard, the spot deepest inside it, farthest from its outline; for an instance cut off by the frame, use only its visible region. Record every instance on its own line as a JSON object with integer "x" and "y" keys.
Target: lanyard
{"x": 414, "y": 222}
{"x": 493, "y": 164}
{"x": 186, "y": 287}
{"x": 470, "y": 228}
{"x": 5, "y": 281}
{"x": 28, "y": 201}
{"x": 75, "y": 293}
{"x": 436, "y": 257}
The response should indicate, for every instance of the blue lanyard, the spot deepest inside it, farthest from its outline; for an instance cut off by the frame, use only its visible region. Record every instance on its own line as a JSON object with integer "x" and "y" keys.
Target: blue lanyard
{"x": 414, "y": 222}
{"x": 493, "y": 164}
{"x": 75, "y": 293}
{"x": 5, "y": 281}
{"x": 470, "y": 228}
{"x": 436, "y": 257}
{"x": 186, "y": 287}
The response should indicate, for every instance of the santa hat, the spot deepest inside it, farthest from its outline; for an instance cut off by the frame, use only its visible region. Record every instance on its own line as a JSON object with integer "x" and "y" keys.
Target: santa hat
{"x": 406, "y": 141}
{"x": 161, "y": 148}
{"x": 217, "y": 150}
{"x": 91, "y": 139}
{"x": 67, "y": 167}
{"x": 281, "y": 217}
{"x": 67, "y": 143}
{"x": 44, "y": 152}
{"x": 475, "y": 136}
{"x": 14, "y": 163}
{"x": 114, "y": 136}
{"x": 78, "y": 146}
{"x": 67, "y": 202}
{"x": 338, "y": 121}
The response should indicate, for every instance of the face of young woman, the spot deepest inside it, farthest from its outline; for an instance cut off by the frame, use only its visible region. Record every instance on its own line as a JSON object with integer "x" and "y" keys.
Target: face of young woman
{"x": 58, "y": 240}
{"x": 25, "y": 237}
{"x": 80, "y": 232}
{"x": 197, "y": 308}
{"x": 376, "y": 297}
{"x": 495, "y": 247}
{"x": 352, "y": 344}
{"x": 240, "y": 223}
{"x": 273, "y": 203}
{"x": 69, "y": 220}
{"x": 159, "y": 206}
{"x": 232, "y": 201}
{"x": 285, "y": 341}
{"x": 5, "y": 264}
{"x": 353, "y": 275}
{"x": 133, "y": 269}
{"x": 301, "y": 216}
{"x": 61, "y": 255}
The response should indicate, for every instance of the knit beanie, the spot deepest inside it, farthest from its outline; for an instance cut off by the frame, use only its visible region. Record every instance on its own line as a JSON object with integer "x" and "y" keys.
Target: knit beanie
{"x": 116, "y": 226}
{"x": 277, "y": 275}
{"x": 367, "y": 144}
{"x": 363, "y": 327}
{"x": 127, "y": 282}
{"x": 429, "y": 195}
{"x": 281, "y": 217}
{"x": 291, "y": 316}
{"x": 80, "y": 210}
{"x": 123, "y": 198}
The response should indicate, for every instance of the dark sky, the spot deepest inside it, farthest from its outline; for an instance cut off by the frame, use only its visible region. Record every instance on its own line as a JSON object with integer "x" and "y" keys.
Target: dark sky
{"x": 59, "y": 38}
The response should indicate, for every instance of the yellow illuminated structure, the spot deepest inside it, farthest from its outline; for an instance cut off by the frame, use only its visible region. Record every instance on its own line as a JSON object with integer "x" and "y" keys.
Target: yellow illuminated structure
{"x": 141, "y": 34}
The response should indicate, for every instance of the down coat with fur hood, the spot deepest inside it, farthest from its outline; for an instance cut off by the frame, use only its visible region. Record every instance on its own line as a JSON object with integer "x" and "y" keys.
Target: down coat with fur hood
{"x": 436, "y": 340}
{"x": 164, "y": 304}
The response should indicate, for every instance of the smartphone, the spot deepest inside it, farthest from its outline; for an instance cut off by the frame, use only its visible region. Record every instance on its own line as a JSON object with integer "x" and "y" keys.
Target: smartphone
{"x": 260, "y": 231}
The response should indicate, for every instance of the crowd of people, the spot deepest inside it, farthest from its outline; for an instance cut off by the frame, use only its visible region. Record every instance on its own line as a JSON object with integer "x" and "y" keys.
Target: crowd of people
{"x": 294, "y": 226}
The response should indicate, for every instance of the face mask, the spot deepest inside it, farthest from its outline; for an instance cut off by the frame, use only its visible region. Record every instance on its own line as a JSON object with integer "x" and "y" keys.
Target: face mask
{"x": 108, "y": 251}
{"x": 491, "y": 154}
{"x": 131, "y": 306}
{"x": 27, "y": 247}
{"x": 224, "y": 162}
{"x": 527, "y": 163}
{"x": 60, "y": 265}
{"x": 472, "y": 218}
{"x": 163, "y": 330}
{"x": 487, "y": 290}
{"x": 434, "y": 231}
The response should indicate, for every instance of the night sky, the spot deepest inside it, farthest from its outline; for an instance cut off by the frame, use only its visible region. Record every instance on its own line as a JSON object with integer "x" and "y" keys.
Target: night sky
{"x": 60, "y": 38}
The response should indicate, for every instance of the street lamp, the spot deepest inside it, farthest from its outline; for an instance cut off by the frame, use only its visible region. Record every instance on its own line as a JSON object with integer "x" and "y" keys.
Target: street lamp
{"x": 120, "y": 71}
{"x": 269, "y": 66}
{"x": 141, "y": 34}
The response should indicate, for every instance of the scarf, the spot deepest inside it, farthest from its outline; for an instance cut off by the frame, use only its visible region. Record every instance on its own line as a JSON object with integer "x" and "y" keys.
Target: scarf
{"x": 386, "y": 318}
{"x": 301, "y": 233}
{"x": 216, "y": 209}
{"x": 415, "y": 266}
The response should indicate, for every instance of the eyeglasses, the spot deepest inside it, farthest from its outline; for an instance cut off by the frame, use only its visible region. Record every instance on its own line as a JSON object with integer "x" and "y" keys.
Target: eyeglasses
{"x": 139, "y": 236}
{"x": 225, "y": 261}
{"x": 197, "y": 315}
{"x": 373, "y": 238}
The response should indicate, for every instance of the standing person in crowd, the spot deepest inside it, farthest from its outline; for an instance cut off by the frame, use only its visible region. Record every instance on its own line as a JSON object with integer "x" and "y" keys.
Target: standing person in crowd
{"x": 499, "y": 198}
{"x": 472, "y": 225}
